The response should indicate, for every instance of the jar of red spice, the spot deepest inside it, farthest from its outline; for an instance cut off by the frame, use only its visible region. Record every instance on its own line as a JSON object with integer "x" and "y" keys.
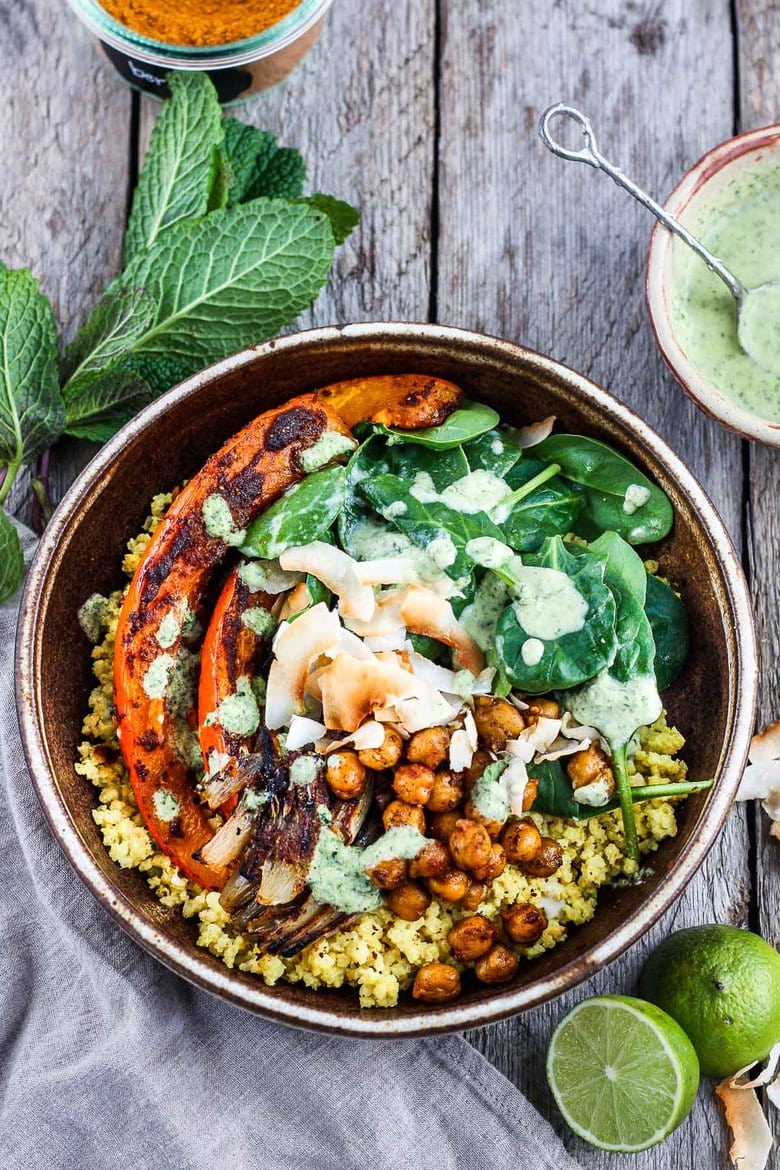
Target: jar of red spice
{"x": 238, "y": 68}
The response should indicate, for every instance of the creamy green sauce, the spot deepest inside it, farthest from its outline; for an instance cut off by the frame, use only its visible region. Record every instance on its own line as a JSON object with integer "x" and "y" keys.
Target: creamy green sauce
{"x": 489, "y": 796}
{"x": 238, "y": 713}
{"x": 267, "y": 576}
{"x": 166, "y": 805}
{"x": 304, "y": 769}
{"x": 532, "y": 651}
{"x": 157, "y": 676}
{"x": 218, "y": 520}
{"x": 481, "y": 617}
{"x": 328, "y": 447}
{"x": 259, "y": 621}
{"x": 616, "y": 708}
{"x": 338, "y": 872}
{"x": 479, "y": 491}
{"x": 636, "y": 496}
{"x": 168, "y": 631}
{"x": 740, "y": 223}
{"x": 548, "y": 603}
{"x": 372, "y": 541}
{"x": 93, "y": 617}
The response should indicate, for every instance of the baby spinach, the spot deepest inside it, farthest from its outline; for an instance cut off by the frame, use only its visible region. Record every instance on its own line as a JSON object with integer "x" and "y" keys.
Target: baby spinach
{"x": 495, "y": 451}
{"x": 408, "y": 460}
{"x": 548, "y": 510}
{"x": 304, "y": 513}
{"x": 555, "y": 795}
{"x": 572, "y": 657}
{"x": 369, "y": 459}
{"x": 467, "y": 422}
{"x": 426, "y": 523}
{"x": 668, "y": 619}
{"x": 606, "y": 477}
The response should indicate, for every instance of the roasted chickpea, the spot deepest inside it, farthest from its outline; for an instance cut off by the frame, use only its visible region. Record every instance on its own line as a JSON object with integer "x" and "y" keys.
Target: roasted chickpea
{"x": 442, "y": 824}
{"x": 447, "y": 792}
{"x": 473, "y": 814}
{"x": 399, "y": 813}
{"x": 451, "y": 886}
{"x": 524, "y": 922}
{"x": 521, "y": 841}
{"x": 497, "y": 721}
{"x": 346, "y": 776}
{"x": 544, "y": 709}
{"x": 430, "y": 747}
{"x": 547, "y": 859}
{"x": 432, "y": 861}
{"x": 475, "y": 896}
{"x": 472, "y": 938}
{"x": 591, "y": 766}
{"x": 386, "y": 756}
{"x": 408, "y": 901}
{"x": 479, "y": 761}
{"x": 389, "y": 874}
{"x": 493, "y": 866}
{"x": 469, "y": 844}
{"x": 436, "y": 983}
{"x": 529, "y": 796}
{"x": 497, "y": 966}
{"x": 413, "y": 783}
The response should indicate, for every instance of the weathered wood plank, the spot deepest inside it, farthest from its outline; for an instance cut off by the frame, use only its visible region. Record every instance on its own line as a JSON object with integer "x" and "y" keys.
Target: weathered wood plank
{"x": 758, "y": 46}
{"x": 64, "y": 144}
{"x": 552, "y": 255}
{"x": 360, "y": 109}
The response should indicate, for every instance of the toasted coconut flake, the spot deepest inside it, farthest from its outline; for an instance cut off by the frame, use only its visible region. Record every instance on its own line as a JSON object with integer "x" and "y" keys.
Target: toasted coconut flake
{"x": 337, "y": 571}
{"x": 296, "y": 601}
{"x": 370, "y": 734}
{"x": 296, "y": 646}
{"x": 745, "y": 1118}
{"x": 461, "y": 751}
{"x": 761, "y": 778}
{"x": 515, "y": 780}
{"x": 437, "y": 676}
{"x": 765, "y": 744}
{"x": 386, "y": 618}
{"x": 531, "y": 435}
{"x": 303, "y": 731}
{"x": 387, "y": 571}
{"x": 395, "y": 640}
{"x": 470, "y": 727}
{"x": 429, "y": 709}
{"x": 561, "y": 747}
{"x": 518, "y": 703}
{"x": 426, "y": 612}
{"x": 352, "y": 690}
{"x": 354, "y": 646}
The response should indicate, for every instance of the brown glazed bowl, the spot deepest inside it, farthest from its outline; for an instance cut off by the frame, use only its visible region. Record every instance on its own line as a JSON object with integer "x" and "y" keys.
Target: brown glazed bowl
{"x": 713, "y": 702}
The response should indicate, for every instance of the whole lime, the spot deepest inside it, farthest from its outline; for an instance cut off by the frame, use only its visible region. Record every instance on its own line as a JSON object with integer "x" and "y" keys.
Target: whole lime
{"x": 722, "y": 985}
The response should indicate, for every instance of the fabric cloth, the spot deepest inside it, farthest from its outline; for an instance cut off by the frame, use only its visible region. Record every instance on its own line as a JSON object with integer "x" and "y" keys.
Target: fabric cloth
{"x": 109, "y": 1060}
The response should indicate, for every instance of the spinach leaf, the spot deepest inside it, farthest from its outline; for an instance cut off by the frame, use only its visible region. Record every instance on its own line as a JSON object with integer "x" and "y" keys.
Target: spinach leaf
{"x": 495, "y": 451}
{"x": 409, "y": 460}
{"x": 440, "y": 531}
{"x": 625, "y": 575}
{"x": 555, "y": 795}
{"x": 181, "y": 165}
{"x": 467, "y": 422}
{"x": 32, "y": 413}
{"x": 549, "y": 510}
{"x": 606, "y": 477}
{"x": 577, "y": 645}
{"x": 668, "y": 619}
{"x": 317, "y": 591}
{"x": 11, "y": 559}
{"x": 302, "y": 514}
{"x": 429, "y": 648}
{"x": 342, "y": 216}
{"x": 369, "y": 459}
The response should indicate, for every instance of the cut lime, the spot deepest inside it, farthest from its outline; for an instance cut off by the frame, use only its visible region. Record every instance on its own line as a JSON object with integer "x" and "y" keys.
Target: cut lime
{"x": 623, "y": 1073}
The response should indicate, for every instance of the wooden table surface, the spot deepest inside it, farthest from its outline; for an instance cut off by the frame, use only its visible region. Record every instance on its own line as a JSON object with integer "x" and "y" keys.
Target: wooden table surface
{"x": 423, "y": 114}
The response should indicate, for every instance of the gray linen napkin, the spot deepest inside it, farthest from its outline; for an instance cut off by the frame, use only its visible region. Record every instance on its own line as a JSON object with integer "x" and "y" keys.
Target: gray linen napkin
{"x": 107, "y": 1059}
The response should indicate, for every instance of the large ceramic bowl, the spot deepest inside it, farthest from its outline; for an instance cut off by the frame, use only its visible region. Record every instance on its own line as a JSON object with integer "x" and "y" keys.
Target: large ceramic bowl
{"x": 713, "y": 702}
{"x": 712, "y": 174}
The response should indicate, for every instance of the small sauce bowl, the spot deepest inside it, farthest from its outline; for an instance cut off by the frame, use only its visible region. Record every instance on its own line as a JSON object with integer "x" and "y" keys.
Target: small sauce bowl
{"x": 238, "y": 70}
{"x": 696, "y": 191}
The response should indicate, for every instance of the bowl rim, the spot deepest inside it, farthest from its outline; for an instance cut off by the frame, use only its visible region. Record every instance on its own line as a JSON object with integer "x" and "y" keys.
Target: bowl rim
{"x": 261, "y": 999}
{"x": 699, "y": 388}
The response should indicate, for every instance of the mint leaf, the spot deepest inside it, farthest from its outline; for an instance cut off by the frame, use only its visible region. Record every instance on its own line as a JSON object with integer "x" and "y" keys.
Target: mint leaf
{"x": 103, "y": 401}
{"x": 229, "y": 280}
{"x": 280, "y": 173}
{"x": 181, "y": 165}
{"x": 11, "y": 559}
{"x": 244, "y": 145}
{"x": 343, "y": 217}
{"x": 158, "y": 371}
{"x": 31, "y": 407}
{"x": 106, "y": 336}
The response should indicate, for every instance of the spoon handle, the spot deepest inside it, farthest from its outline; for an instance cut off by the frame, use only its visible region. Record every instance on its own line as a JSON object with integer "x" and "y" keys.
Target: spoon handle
{"x": 591, "y": 155}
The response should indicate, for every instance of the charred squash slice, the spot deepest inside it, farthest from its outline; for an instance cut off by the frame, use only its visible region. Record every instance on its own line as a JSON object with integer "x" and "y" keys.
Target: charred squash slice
{"x": 409, "y": 401}
{"x": 246, "y": 475}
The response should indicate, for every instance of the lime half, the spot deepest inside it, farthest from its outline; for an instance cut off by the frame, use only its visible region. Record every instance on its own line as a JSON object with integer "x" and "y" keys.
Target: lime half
{"x": 623, "y": 1073}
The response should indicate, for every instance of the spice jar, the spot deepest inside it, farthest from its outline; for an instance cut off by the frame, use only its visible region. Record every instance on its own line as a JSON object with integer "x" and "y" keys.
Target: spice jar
{"x": 238, "y": 70}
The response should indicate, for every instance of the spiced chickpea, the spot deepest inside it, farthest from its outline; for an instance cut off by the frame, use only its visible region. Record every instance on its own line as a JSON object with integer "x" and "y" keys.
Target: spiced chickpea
{"x": 436, "y": 983}
{"x": 591, "y": 766}
{"x": 475, "y": 896}
{"x": 479, "y": 761}
{"x": 473, "y": 814}
{"x": 521, "y": 841}
{"x": 469, "y": 844}
{"x": 524, "y": 922}
{"x": 409, "y": 901}
{"x": 388, "y": 874}
{"x": 345, "y": 775}
{"x": 399, "y": 813}
{"x": 493, "y": 866}
{"x": 414, "y": 783}
{"x": 442, "y": 824}
{"x": 497, "y": 721}
{"x": 430, "y": 747}
{"x": 451, "y": 886}
{"x": 432, "y": 861}
{"x": 544, "y": 709}
{"x": 547, "y": 859}
{"x": 386, "y": 755}
{"x": 471, "y": 938}
{"x": 447, "y": 792}
{"x": 497, "y": 966}
{"x": 529, "y": 796}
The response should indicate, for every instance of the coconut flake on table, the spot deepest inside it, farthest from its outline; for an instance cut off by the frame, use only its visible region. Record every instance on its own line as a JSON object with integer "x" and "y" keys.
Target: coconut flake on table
{"x": 761, "y": 778}
{"x": 745, "y": 1118}
{"x": 303, "y": 731}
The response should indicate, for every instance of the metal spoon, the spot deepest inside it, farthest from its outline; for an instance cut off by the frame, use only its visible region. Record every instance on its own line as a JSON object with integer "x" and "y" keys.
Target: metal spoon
{"x": 758, "y": 309}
